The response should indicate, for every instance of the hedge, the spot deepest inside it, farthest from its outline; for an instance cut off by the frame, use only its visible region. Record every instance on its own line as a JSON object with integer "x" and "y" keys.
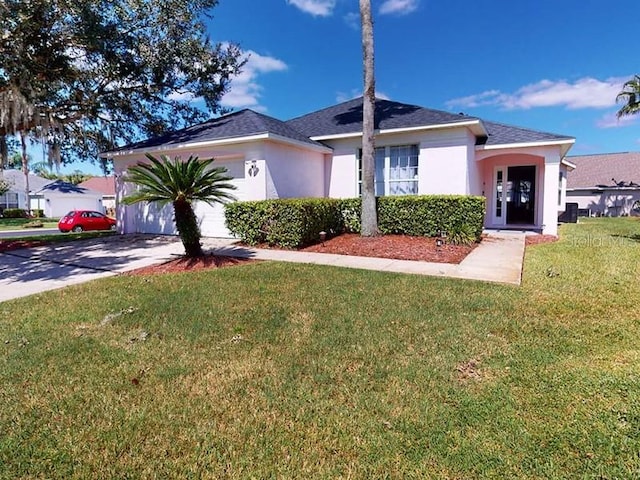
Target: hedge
{"x": 14, "y": 213}
{"x": 422, "y": 215}
{"x": 287, "y": 223}
{"x": 294, "y": 223}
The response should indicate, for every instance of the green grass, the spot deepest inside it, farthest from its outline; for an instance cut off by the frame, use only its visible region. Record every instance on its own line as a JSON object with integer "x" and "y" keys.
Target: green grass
{"x": 274, "y": 370}
{"x": 19, "y": 223}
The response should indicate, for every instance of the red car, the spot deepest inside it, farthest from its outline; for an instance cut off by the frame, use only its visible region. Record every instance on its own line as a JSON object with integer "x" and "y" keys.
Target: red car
{"x": 84, "y": 220}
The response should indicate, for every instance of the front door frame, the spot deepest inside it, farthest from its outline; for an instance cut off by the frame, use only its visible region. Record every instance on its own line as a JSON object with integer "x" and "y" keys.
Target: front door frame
{"x": 499, "y": 194}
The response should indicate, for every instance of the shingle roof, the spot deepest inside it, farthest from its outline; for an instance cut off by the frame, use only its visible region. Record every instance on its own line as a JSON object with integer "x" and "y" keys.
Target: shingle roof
{"x": 67, "y": 188}
{"x": 104, "y": 185}
{"x": 601, "y": 170}
{"x": 347, "y": 118}
{"x": 234, "y": 125}
{"x": 501, "y": 134}
{"x": 16, "y": 179}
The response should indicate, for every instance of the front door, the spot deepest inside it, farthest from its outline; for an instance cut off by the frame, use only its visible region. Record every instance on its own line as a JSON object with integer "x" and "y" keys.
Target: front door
{"x": 514, "y": 195}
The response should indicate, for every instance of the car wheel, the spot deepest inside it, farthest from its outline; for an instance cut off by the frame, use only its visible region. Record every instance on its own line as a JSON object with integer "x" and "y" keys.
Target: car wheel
{"x": 113, "y": 228}
{"x": 77, "y": 229}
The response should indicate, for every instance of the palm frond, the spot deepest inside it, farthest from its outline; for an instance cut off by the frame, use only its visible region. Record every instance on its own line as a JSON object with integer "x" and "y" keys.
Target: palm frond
{"x": 630, "y": 96}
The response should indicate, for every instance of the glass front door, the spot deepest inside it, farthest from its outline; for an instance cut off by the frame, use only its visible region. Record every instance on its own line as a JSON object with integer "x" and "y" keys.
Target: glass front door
{"x": 514, "y": 195}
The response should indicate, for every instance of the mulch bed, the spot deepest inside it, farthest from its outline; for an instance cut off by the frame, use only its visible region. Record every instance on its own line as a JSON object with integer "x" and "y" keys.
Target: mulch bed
{"x": 538, "y": 239}
{"x": 7, "y": 245}
{"x": 183, "y": 264}
{"x": 400, "y": 247}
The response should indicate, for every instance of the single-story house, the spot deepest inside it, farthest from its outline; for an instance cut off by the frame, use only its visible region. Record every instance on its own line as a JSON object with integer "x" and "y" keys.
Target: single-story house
{"x": 521, "y": 172}
{"x": 61, "y": 197}
{"x": 16, "y": 197}
{"x": 606, "y": 184}
{"x": 107, "y": 187}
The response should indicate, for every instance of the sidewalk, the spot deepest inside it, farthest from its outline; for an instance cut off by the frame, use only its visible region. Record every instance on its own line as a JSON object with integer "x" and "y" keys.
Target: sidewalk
{"x": 497, "y": 259}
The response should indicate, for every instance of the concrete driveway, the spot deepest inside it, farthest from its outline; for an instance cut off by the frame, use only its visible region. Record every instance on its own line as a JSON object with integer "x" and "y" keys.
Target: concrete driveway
{"x": 34, "y": 270}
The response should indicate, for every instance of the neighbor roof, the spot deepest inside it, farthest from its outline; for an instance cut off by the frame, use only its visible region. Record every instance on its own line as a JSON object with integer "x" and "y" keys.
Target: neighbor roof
{"x": 607, "y": 169}
{"x": 104, "y": 185}
{"x": 346, "y": 118}
{"x": 67, "y": 188}
{"x": 16, "y": 179}
{"x": 245, "y": 123}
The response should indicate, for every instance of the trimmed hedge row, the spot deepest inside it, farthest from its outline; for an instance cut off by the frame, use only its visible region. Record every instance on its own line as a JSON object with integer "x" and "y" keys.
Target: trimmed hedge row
{"x": 288, "y": 223}
{"x": 297, "y": 222}
{"x": 422, "y": 215}
{"x": 14, "y": 213}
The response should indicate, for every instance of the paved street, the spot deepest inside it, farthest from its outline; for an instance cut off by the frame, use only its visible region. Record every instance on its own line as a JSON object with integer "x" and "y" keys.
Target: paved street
{"x": 29, "y": 232}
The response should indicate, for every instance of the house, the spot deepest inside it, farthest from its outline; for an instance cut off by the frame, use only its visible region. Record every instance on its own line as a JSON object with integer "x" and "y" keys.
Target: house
{"x": 106, "y": 186}
{"x": 521, "y": 172}
{"x": 16, "y": 196}
{"x": 605, "y": 184}
{"x": 61, "y": 197}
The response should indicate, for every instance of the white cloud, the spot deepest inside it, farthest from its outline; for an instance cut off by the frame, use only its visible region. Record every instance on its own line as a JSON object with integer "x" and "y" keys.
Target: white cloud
{"x": 317, "y": 8}
{"x": 398, "y": 7}
{"x": 352, "y": 19}
{"x": 610, "y": 120}
{"x": 583, "y": 93}
{"x": 355, "y": 93}
{"x": 245, "y": 91}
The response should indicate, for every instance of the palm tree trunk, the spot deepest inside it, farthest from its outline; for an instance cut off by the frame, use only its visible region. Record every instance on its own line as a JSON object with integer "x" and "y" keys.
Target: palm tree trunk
{"x": 25, "y": 170}
{"x": 369, "y": 216}
{"x": 187, "y": 225}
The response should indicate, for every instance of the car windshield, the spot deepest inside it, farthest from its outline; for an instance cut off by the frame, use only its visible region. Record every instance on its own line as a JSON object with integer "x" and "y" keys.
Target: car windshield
{"x": 70, "y": 214}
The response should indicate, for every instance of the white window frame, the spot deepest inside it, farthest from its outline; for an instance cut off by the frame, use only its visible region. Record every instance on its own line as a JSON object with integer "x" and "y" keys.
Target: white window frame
{"x": 384, "y": 154}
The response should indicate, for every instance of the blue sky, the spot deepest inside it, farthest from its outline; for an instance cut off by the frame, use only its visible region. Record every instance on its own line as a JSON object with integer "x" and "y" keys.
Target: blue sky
{"x": 551, "y": 65}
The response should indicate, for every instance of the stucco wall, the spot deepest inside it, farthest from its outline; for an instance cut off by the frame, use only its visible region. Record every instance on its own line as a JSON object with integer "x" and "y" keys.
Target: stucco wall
{"x": 293, "y": 172}
{"x": 443, "y": 165}
{"x": 609, "y": 202}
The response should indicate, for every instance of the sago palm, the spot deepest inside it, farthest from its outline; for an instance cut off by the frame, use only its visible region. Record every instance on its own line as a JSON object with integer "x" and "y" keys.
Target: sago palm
{"x": 179, "y": 182}
{"x": 630, "y": 95}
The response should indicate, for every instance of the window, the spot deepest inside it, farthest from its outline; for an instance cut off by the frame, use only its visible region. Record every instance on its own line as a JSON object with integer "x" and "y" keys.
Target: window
{"x": 560, "y": 181}
{"x": 396, "y": 170}
{"x": 9, "y": 200}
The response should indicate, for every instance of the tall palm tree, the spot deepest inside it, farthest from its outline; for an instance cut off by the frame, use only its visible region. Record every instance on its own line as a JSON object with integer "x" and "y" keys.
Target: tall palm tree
{"x": 369, "y": 215}
{"x": 630, "y": 95}
{"x": 181, "y": 183}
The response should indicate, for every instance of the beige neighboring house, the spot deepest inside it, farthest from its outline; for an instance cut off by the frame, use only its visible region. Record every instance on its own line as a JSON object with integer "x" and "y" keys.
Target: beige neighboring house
{"x": 605, "y": 184}
{"x": 106, "y": 186}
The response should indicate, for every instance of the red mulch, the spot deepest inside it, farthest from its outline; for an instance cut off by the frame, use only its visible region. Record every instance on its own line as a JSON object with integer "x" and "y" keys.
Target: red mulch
{"x": 401, "y": 247}
{"x": 538, "y": 239}
{"x": 6, "y": 245}
{"x": 183, "y": 264}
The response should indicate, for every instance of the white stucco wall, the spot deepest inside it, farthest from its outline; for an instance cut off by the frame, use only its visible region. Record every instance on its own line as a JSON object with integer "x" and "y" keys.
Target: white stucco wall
{"x": 443, "y": 165}
{"x": 293, "y": 172}
{"x": 608, "y": 202}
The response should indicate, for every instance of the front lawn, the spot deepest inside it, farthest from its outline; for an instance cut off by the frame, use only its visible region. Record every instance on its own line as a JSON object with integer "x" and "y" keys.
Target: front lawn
{"x": 23, "y": 223}
{"x": 275, "y": 370}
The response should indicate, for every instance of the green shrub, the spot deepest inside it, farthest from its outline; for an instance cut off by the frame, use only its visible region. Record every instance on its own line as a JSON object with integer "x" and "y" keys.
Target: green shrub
{"x": 14, "y": 213}
{"x": 289, "y": 223}
{"x": 296, "y": 222}
{"x": 38, "y": 213}
{"x": 423, "y": 215}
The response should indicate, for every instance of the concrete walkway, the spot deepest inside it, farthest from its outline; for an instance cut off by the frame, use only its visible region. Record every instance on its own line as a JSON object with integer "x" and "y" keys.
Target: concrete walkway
{"x": 497, "y": 259}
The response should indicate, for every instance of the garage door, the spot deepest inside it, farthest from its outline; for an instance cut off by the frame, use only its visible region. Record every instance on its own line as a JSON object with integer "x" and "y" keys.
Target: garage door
{"x": 212, "y": 217}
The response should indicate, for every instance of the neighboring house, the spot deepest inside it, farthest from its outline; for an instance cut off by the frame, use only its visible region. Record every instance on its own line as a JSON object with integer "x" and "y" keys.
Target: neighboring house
{"x": 16, "y": 197}
{"x": 521, "y": 172}
{"x": 106, "y": 186}
{"x": 605, "y": 184}
{"x": 61, "y": 197}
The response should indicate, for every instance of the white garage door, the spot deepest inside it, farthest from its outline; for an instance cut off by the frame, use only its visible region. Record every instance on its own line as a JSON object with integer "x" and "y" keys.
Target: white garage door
{"x": 151, "y": 219}
{"x": 212, "y": 217}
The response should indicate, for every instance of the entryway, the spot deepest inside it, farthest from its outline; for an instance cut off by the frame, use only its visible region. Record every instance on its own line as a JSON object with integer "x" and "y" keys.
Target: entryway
{"x": 514, "y": 195}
